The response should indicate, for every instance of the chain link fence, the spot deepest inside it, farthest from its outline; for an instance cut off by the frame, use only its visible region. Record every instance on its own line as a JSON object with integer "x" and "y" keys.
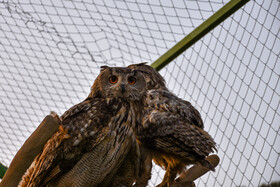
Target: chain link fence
{"x": 51, "y": 51}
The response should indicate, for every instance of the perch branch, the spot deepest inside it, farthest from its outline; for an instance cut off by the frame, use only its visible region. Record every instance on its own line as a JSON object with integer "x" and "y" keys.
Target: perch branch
{"x": 186, "y": 178}
{"x": 29, "y": 150}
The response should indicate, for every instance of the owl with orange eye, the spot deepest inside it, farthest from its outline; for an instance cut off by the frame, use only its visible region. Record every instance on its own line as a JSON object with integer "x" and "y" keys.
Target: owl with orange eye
{"x": 172, "y": 134}
{"x": 96, "y": 136}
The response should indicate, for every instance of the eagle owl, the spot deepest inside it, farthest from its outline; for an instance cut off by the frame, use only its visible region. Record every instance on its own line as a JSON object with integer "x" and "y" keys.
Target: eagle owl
{"x": 95, "y": 136}
{"x": 172, "y": 133}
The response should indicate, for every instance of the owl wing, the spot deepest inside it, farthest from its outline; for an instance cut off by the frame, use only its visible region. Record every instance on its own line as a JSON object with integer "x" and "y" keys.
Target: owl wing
{"x": 176, "y": 137}
{"x": 164, "y": 100}
{"x": 82, "y": 127}
{"x": 174, "y": 126}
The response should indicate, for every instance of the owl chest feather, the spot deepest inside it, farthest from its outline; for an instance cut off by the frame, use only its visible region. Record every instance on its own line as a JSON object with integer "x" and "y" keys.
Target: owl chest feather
{"x": 126, "y": 121}
{"x": 105, "y": 115}
{"x": 126, "y": 114}
{"x": 107, "y": 141}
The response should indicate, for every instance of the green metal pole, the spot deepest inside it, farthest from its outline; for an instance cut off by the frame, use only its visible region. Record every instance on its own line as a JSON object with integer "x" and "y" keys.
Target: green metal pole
{"x": 3, "y": 170}
{"x": 198, "y": 33}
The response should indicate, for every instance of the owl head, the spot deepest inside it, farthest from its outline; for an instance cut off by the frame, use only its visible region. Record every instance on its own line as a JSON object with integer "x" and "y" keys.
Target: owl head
{"x": 153, "y": 78}
{"x": 119, "y": 82}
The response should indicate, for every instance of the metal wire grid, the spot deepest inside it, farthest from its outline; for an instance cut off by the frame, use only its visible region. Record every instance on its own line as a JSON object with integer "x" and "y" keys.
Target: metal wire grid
{"x": 232, "y": 76}
{"x": 51, "y": 52}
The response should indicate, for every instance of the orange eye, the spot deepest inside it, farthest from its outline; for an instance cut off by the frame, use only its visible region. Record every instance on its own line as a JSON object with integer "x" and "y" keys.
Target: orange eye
{"x": 113, "y": 79}
{"x": 131, "y": 80}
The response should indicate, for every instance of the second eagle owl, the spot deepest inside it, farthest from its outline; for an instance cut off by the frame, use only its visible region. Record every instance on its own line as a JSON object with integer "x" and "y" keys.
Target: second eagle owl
{"x": 172, "y": 133}
{"x": 96, "y": 136}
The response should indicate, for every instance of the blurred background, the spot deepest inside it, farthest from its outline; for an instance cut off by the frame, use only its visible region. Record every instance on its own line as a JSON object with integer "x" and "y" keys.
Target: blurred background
{"x": 51, "y": 51}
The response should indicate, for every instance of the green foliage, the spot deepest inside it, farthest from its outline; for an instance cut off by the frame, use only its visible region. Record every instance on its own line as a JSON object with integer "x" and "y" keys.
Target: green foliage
{"x": 3, "y": 170}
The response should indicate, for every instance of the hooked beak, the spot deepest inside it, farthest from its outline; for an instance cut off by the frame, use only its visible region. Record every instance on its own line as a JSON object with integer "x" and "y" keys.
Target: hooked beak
{"x": 122, "y": 88}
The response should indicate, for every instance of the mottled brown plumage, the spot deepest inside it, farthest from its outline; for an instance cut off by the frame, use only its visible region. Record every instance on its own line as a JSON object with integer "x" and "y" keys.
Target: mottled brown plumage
{"x": 172, "y": 130}
{"x": 96, "y": 136}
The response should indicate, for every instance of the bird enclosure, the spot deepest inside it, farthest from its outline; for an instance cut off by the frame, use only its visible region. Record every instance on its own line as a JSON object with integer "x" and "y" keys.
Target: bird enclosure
{"x": 51, "y": 52}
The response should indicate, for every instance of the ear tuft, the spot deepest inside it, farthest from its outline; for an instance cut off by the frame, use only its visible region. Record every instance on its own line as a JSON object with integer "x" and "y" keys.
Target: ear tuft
{"x": 140, "y": 64}
{"x": 102, "y": 68}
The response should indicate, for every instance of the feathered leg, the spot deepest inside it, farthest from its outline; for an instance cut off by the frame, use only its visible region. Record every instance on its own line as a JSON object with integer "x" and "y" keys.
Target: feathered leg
{"x": 170, "y": 175}
{"x": 145, "y": 168}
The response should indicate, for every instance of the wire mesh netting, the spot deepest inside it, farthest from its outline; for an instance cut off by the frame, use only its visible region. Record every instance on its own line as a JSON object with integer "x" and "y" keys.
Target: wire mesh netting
{"x": 51, "y": 52}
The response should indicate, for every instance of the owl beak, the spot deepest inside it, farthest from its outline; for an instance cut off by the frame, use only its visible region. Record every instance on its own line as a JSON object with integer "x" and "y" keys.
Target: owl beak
{"x": 122, "y": 88}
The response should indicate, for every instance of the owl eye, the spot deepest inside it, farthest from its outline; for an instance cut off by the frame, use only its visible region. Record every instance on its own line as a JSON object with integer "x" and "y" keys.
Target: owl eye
{"x": 131, "y": 80}
{"x": 113, "y": 79}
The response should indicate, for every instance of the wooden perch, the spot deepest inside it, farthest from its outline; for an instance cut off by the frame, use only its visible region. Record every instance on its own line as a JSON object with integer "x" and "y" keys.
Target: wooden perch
{"x": 186, "y": 178}
{"x": 29, "y": 150}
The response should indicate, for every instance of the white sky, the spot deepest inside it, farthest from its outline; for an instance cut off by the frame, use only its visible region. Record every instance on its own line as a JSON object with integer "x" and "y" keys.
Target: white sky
{"x": 51, "y": 52}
